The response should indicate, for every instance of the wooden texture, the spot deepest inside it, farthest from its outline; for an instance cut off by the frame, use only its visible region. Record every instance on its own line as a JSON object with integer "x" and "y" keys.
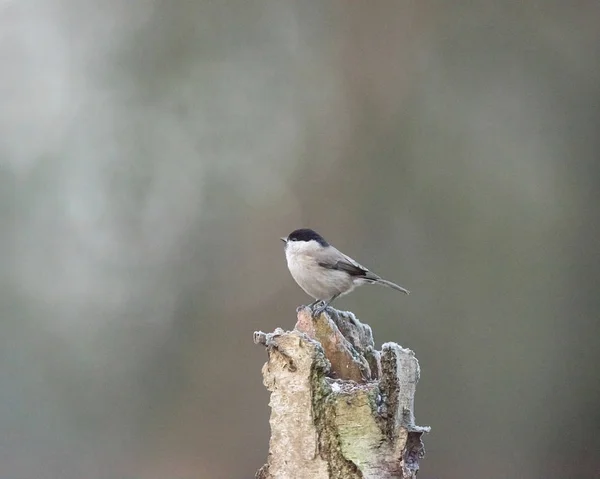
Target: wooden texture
{"x": 339, "y": 408}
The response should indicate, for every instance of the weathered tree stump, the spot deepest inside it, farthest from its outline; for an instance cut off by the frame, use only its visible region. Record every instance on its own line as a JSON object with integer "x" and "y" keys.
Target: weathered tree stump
{"x": 339, "y": 408}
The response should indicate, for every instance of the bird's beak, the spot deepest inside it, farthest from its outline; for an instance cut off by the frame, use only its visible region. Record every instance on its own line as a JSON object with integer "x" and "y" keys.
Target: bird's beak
{"x": 283, "y": 239}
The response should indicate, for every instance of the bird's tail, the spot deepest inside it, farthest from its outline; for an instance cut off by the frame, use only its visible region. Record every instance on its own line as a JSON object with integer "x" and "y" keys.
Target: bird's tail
{"x": 389, "y": 284}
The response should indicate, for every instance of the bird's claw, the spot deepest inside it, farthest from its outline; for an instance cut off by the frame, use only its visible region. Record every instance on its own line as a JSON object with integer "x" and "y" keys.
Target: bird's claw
{"x": 318, "y": 311}
{"x": 310, "y": 306}
{"x": 315, "y": 308}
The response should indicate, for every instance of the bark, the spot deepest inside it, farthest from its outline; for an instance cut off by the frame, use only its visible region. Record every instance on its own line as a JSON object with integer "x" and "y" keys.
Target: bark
{"x": 339, "y": 408}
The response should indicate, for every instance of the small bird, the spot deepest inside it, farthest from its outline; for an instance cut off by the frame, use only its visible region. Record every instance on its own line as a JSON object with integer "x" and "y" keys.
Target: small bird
{"x": 324, "y": 272}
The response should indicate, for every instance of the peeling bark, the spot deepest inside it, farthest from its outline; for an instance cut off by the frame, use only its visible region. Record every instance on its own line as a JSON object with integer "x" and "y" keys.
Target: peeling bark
{"x": 339, "y": 408}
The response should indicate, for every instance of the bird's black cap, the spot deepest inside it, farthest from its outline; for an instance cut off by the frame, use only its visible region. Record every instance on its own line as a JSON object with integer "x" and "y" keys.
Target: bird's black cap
{"x": 306, "y": 234}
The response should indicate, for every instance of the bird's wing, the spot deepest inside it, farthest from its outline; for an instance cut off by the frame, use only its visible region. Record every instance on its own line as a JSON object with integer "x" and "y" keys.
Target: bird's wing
{"x": 335, "y": 259}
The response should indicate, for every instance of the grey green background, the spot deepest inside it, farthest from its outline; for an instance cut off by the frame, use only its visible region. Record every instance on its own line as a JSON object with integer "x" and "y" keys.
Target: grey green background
{"x": 153, "y": 152}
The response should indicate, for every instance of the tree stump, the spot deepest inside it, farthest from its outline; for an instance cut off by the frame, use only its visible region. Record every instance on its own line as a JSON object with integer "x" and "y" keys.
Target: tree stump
{"x": 339, "y": 408}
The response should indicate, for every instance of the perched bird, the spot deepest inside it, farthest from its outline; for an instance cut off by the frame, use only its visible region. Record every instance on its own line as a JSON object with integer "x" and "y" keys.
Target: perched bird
{"x": 324, "y": 272}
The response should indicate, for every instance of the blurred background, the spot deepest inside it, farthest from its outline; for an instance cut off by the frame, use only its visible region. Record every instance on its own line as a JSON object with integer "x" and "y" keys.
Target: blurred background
{"x": 153, "y": 152}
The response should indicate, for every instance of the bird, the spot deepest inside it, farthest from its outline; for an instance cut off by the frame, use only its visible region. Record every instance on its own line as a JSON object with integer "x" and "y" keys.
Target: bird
{"x": 324, "y": 272}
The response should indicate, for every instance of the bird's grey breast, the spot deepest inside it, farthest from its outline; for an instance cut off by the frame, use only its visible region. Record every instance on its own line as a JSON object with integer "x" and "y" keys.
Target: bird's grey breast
{"x": 303, "y": 266}
{"x": 306, "y": 267}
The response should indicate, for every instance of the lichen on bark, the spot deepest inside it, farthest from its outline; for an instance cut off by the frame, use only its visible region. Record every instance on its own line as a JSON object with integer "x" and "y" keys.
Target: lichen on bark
{"x": 339, "y": 408}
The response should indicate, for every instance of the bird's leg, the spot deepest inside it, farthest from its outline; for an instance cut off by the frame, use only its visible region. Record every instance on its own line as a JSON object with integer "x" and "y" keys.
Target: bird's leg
{"x": 309, "y": 306}
{"x": 314, "y": 303}
{"x": 317, "y": 312}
